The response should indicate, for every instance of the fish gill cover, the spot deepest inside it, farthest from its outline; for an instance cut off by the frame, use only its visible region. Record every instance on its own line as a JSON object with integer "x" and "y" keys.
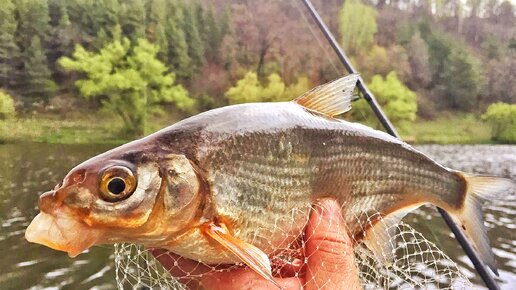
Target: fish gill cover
{"x": 418, "y": 264}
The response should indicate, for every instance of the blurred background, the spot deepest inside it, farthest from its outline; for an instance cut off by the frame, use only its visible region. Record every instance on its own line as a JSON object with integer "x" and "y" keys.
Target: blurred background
{"x": 78, "y": 77}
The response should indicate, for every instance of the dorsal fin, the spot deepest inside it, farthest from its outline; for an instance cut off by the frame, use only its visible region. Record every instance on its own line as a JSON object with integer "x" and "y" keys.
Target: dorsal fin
{"x": 331, "y": 99}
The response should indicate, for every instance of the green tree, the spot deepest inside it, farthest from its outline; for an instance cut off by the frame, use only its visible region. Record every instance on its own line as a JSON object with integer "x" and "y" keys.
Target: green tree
{"x": 456, "y": 73}
{"x": 33, "y": 20}
{"x": 129, "y": 82}
{"x": 90, "y": 18}
{"x": 397, "y": 101}
{"x": 61, "y": 37}
{"x": 7, "y": 109}
{"x": 39, "y": 82}
{"x": 133, "y": 21}
{"x": 32, "y": 36}
{"x": 177, "y": 56}
{"x": 461, "y": 80}
{"x": 418, "y": 58}
{"x": 9, "y": 51}
{"x": 195, "y": 43}
{"x": 212, "y": 30}
{"x": 156, "y": 26}
{"x": 357, "y": 23}
{"x": 249, "y": 89}
{"x": 502, "y": 118}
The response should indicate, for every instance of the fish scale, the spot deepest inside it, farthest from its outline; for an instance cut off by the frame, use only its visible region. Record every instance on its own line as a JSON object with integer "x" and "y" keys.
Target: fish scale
{"x": 254, "y": 169}
{"x": 236, "y": 184}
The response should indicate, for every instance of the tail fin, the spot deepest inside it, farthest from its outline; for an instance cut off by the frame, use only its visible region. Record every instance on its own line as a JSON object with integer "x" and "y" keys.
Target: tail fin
{"x": 479, "y": 189}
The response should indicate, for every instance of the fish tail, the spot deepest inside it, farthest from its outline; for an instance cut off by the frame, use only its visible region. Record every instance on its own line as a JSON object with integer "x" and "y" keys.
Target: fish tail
{"x": 469, "y": 216}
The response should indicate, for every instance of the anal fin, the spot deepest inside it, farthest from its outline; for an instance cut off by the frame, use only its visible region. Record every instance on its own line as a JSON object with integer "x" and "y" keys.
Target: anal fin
{"x": 253, "y": 257}
{"x": 378, "y": 238}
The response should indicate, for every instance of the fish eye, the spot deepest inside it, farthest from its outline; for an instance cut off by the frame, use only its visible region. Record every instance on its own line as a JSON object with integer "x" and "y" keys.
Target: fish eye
{"x": 117, "y": 183}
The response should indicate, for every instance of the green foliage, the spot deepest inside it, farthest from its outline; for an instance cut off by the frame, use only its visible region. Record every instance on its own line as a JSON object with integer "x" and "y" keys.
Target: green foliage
{"x": 39, "y": 82}
{"x": 457, "y": 75}
{"x": 357, "y": 23}
{"x": 212, "y": 30}
{"x": 249, "y": 89}
{"x": 177, "y": 54}
{"x": 89, "y": 18}
{"x": 9, "y": 50}
{"x": 129, "y": 81}
{"x": 7, "y": 109}
{"x": 33, "y": 20}
{"x": 133, "y": 22}
{"x": 195, "y": 43}
{"x": 418, "y": 58}
{"x": 462, "y": 79}
{"x": 502, "y": 118}
{"x": 397, "y": 101}
{"x": 466, "y": 129}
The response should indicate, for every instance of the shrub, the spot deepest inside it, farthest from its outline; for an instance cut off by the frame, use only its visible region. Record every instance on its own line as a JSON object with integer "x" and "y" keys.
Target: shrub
{"x": 398, "y": 101}
{"x": 502, "y": 118}
{"x": 7, "y": 109}
{"x": 249, "y": 89}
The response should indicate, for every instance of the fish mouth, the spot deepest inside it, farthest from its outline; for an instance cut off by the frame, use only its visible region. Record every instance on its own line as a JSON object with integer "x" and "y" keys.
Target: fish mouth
{"x": 62, "y": 232}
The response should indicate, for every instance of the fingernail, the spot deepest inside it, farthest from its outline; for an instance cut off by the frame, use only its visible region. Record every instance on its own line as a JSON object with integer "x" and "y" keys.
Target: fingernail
{"x": 329, "y": 207}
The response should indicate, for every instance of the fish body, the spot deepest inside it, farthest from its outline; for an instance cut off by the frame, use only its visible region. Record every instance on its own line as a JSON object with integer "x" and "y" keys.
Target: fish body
{"x": 262, "y": 173}
{"x": 236, "y": 184}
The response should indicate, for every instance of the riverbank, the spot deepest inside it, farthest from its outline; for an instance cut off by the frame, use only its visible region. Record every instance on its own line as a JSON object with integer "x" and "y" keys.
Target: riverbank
{"x": 102, "y": 129}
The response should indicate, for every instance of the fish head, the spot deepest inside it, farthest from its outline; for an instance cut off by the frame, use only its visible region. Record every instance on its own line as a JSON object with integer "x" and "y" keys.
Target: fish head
{"x": 137, "y": 196}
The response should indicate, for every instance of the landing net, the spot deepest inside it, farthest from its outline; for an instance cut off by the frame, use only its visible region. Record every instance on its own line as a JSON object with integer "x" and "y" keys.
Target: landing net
{"x": 418, "y": 264}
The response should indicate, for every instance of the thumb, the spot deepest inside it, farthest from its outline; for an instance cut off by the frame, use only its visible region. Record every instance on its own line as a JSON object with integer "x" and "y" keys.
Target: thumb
{"x": 329, "y": 250}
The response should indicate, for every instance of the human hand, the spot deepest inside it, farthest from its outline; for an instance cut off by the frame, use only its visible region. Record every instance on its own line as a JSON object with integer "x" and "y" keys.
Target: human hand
{"x": 330, "y": 261}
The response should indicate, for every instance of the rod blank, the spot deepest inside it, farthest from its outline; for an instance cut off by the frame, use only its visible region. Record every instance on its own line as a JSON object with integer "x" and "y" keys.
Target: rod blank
{"x": 371, "y": 100}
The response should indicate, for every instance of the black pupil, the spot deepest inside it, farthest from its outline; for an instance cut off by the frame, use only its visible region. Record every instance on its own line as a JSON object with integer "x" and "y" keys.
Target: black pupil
{"x": 116, "y": 185}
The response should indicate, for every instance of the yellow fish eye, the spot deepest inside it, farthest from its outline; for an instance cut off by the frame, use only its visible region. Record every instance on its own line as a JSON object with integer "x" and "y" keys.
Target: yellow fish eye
{"x": 117, "y": 183}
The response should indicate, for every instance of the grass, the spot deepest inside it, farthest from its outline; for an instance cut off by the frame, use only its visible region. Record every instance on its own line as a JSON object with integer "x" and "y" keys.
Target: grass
{"x": 98, "y": 128}
{"x": 84, "y": 128}
{"x": 52, "y": 129}
{"x": 458, "y": 128}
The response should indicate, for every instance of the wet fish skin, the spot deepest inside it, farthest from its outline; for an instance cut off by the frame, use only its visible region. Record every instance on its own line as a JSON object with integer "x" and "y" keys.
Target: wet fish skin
{"x": 236, "y": 184}
{"x": 270, "y": 173}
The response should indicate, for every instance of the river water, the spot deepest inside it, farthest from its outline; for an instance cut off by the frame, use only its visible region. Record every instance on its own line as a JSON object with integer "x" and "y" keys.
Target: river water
{"x": 27, "y": 170}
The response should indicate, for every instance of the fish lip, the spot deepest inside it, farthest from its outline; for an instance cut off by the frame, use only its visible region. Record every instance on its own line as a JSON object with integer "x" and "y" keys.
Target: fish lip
{"x": 61, "y": 231}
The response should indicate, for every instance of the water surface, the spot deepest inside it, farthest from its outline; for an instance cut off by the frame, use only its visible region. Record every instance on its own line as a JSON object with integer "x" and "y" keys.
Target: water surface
{"x": 27, "y": 170}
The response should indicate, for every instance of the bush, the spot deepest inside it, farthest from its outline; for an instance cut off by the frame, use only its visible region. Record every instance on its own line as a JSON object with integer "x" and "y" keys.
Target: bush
{"x": 397, "y": 101}
{"x": 502, "y": 118}
{"x": 7, "y": 109}
{"x": 249, "y": 89}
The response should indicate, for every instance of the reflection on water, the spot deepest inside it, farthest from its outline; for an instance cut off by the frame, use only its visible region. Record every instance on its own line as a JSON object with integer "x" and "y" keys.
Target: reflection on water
{"x": 27, "y": 170}
{"x": 499, "y": 214}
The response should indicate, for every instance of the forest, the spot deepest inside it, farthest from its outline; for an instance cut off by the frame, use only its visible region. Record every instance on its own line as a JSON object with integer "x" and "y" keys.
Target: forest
{"x": 76, "y": 71}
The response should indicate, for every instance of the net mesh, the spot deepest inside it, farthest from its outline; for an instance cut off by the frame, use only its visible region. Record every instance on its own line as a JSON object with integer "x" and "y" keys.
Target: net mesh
{"x": 417, "y": 264}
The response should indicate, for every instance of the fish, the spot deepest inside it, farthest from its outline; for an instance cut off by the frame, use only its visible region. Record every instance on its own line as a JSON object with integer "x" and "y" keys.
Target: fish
{"x": 236, "y": 184}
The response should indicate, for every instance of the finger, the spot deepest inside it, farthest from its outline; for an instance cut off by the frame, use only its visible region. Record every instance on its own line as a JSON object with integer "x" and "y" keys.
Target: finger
{"x": 186, "y": 271}
{"x": 245, "y": 278}
{"x": 285, "y": 269}
{"x": 198, "y": 276}
{"x": 329, "y": 250}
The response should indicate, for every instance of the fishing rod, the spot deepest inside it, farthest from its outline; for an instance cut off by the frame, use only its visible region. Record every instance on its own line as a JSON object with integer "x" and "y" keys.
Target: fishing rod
{"x": 373, "y": 103}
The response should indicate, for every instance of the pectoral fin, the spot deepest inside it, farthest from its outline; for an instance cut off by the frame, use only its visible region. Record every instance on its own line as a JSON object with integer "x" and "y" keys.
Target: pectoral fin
{"x": 247, "y": 253}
